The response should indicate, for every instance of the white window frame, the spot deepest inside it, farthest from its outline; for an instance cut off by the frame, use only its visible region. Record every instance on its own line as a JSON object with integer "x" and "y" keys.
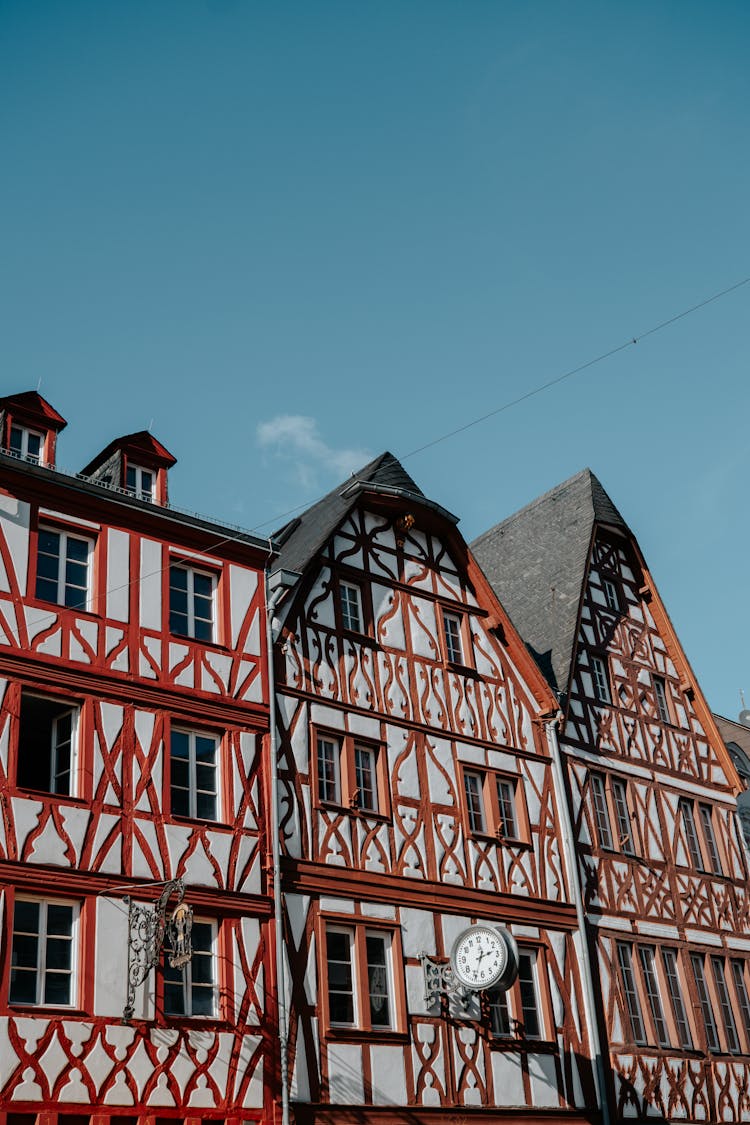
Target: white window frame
{"x": 360, "y": 977}
{"x": 335, "y": 742}
{"x": 348, "y": 620}
{"x": 662, "y": 700}
{"x": 373, "y": 754}
{"x": 187, "y": 978}
{"x": 454, "y": 640}
{"x": 41, "y": 965}
{"x": 24, "y": 455}
{"x": 62, "y": 560}
{"x": 508, "y": 1005}
{"x": 137, "y": 489}
{"x": 193, "y": 762}
{"x": 611, "y": 595}
{"x": 191, "y": 571}
{"x": 600, "y": 680}
{"x": 67, "y": 708}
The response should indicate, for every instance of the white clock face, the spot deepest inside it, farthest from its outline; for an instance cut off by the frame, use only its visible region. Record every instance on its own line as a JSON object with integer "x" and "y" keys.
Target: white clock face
{"x": 479, "y": 957}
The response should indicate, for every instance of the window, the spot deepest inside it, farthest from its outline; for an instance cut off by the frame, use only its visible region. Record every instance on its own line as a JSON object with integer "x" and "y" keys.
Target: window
{"x": 518, "y": 1010}
{"x": 648, "y": 970}
{"x": 725, "y": 1004}
{"x": 671, "y": 975}
{"x": 454, "y": 651}
{"x": 611, "y": 595}
{"x": 193, "y": 774}
{"x": 360, "y": 978}
{"x": 191, "y": 603}
{"x": 62, "y": 568}
{"x": 610, "y": 797}
{"x": 494, "y": 805}
{"x": 351, "y": 607}
{"x": 42, "y": 959}
{"x": 630, "y": 992}
{"x": 712, "y": 1034}
{"x": 705, "y": 856}
{"x": 47, "y": 744}
{"x": 27, "y": 444}
{"x": 600, "y": 680}
{"x": 351, "y": 773}
{"x": 660, "y": 693}
{"x": 329, "y": 770}
{"x": 140, "y": 482}
{"x": 192, "y": 989}
{"x": 740, "y": 985}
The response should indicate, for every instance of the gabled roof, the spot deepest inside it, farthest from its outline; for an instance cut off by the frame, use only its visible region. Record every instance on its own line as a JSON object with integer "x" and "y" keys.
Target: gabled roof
{"x": 31, "y": 404}
{"x": 142, "y": 443}
{"x": 302, "y": 538}
{"x": 536, "y": 561}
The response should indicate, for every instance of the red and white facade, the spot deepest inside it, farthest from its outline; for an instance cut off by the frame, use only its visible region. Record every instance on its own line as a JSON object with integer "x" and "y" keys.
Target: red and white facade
{"x": 133, "y": 710}
{"x": 416, "y": 799}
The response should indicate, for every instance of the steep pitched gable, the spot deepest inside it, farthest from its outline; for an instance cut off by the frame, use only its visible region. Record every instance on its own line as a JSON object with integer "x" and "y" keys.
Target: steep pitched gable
{"x": 536, "y": 561}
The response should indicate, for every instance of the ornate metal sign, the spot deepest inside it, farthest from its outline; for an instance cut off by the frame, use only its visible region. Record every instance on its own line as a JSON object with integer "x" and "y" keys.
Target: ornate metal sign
{"x": 440, "y": 980}
{"x": 147, "y": 928}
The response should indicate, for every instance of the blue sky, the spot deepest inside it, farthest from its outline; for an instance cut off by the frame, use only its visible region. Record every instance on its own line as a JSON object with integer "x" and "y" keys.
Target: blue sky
{"x": 288, "y": 236}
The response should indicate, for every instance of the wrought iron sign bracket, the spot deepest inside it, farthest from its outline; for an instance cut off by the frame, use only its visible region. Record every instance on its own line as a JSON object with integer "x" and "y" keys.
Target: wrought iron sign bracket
{"x": 147, "y": 928}
{"x": 440, "y": 980}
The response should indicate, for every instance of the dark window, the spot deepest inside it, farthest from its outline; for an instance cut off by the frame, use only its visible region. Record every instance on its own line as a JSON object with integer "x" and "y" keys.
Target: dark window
{"x": 473, "y": 786}
{"x": 611, "y": 595}
{"x": 329, "y": 770}
{"x": 62, "y": 568}
{"x": 738, "y": 973}
{"x": 497, "y": 999}
{"x": 42, "y": 953}
{"x": 600, "y": 680}
{"x": 193, "y": 770}
{"x": 712, "y": 1034}
{"x": 669, "y": 960}
{"x": 453, "y": 645}
{"x": 506, "y": 801}
{"x": 191, "y": 603}
{"x": 377, "y": 979}
{"x": 191, "y": 990}
{"x": 351, "y": 607}
{"x": 690, "y": 834}
{"x": 366, "y": 778}
{"x": 26, "y": 444}
{"x": 630, "y": 992}
{"x": 140, "y": 482}
{"x": 601, "y": 811}
{"x": 662, "y": 706}
{"x": 46, "y": 744}
{"x": 339, "y": 950}
{"x": 624, "y": 827}
{"x": 646, "y": 954}
{"x": 710, "y": 838}
{"x": 529, "y": 993}
{"x": 727, "y": 1015}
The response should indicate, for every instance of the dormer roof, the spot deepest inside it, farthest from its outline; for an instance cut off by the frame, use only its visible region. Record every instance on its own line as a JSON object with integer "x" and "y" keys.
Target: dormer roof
{"x": 31, "y": 408}
{"x": 141, "y": 447}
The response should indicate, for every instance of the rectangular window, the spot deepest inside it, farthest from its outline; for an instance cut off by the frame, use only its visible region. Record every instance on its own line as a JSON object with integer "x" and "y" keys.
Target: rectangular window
{"x": 359, "y": 969}
{"x": 622, "y": 813}
{"x": 600, "y": 680}
{"x": 630, "y": 992}
{"x": 27, "y": 444}
{"x": 192, "y": 990}
{"x": 611, "y": 595}
{"x": 194, "y": 774}
{"x": 329, "y": 770}
{"x": 497, "y": 1000}
{"x": 690, "y": 834}
{"x": 42, "y": 959}
{"x": 351, "y": 607}
{"x": 47, "y": 744}
{"x": 712, "y": 1034}
{"x": 738, "y": 975}
{"x": 191, "y": 602}
{"x": 660, "y": 693}
{"x": 669, "y": 961}
{"x": 62, "y": 568}
{"x": 709, "y": 838}
{"x": 727, "y": 1015}
{"x": 366, "y": 778}
{"x": 601, "y": 811}
{"x": 140, "y": 482}
{"x": 648, "y": 969}
{"x": 506, "y": 803}
{"x": 473, "y": 787}
{"x": 529, "y": 993}
{"x": 453, "y": 644}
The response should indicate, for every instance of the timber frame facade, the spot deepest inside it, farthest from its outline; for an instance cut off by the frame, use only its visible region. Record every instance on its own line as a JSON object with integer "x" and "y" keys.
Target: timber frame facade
{"x": 652, "y": 792}
{"x": 416, "y": 798}
{"x": 133, "y": 720}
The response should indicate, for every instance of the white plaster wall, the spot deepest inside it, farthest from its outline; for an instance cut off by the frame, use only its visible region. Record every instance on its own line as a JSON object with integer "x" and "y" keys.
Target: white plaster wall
{"x": 118, "y": 574}
{"x": 345, "y": 1080}
{"x": 150, "y": 584}
{"x": 111, "y": 965}
{"x": 388, "y": 1075}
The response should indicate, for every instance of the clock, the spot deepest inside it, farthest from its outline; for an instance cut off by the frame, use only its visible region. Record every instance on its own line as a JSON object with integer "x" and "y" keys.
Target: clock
{"x": 484, "y": 957}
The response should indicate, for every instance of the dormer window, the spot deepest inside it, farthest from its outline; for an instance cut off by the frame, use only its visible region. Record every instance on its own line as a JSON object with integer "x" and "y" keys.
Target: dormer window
{"x": 140, "y": 482}
{"x": 26, "y": 444}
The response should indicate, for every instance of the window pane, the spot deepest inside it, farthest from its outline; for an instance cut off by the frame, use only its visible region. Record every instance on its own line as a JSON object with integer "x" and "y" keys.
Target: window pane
{"x": 26, "y": 917}
{"x": 203, "y": 630}
{"x": 499, "y": 1015}
{"x": 725, "y": 1004}
{"x": 712, "y": 1034}
{"x": 340, "y": 983}
{"x": 77, "y": 550}
{"x": 669, "y": 959}
{"x": 624, "y": 829}
{"x": 601, "y": 811}
{"x": 738, "y": 973}
{"x": 25, "y": 951}
{"x": 710, "y": 838}
{"x": 690, "y": 834}
{"x": 453, "y": 646}
{"x": 205, "y": 806}
{"x": 646, "y": 955}
{"x": 351, "y": 616}
{"x": 507, "y": 807}
{"x": 630, "y": 992}
{"x": 59, "y": 953}
{"x": 365, "y": 770}
{"x": 529, "y": 999}
{"x": 377, "y": 978}
{"x": 180, "y": 744}
{"x": 473, "y": 786}
{"x": 328, "y": 759}
{"x": 23, "y": 986}
{"x": 57, "y": 988}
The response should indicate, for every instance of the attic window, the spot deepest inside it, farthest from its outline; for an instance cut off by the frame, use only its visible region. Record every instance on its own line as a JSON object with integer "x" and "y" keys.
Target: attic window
{"x": 140, "y": 482}
{"x": 26, "y": 444}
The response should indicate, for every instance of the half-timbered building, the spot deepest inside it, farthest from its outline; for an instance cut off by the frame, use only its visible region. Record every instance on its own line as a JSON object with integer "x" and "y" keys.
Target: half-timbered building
{"x": 652, "y": 793}
{"x": 416, "y": 799}
{"x": 133, "y": 709}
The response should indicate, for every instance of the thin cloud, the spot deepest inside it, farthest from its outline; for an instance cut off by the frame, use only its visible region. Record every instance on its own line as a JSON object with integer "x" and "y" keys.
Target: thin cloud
{"x": 296, "y": 439}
